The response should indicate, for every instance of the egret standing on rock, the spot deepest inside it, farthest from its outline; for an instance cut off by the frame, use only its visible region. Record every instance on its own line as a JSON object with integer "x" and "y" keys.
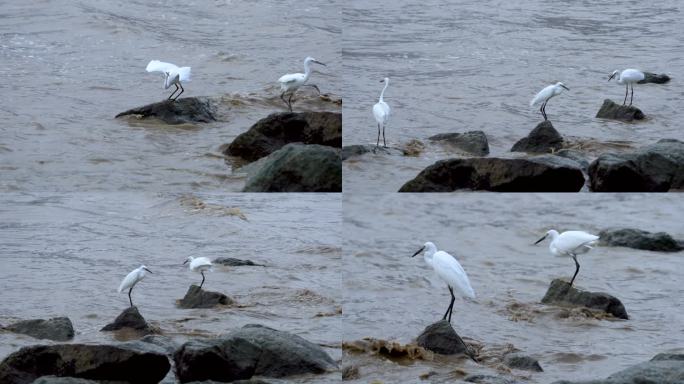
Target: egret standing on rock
{"x": 132, "y": 279}
{"x": 570, "y": 243}
{"x": 450, "y": 271}
{"x": 199, "y": 264}
{"x": 173, "y": 75}
{"x": 547, "y": 93}
{"x": 628, "y": 77}
{"x": 292, "y": 81}
{"x": 381, "y": 112}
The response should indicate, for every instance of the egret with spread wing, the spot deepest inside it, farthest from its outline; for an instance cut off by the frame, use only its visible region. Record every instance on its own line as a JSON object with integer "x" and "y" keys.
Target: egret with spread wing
{"x": 570, "y": 243}
{"x": 173, "y": 75}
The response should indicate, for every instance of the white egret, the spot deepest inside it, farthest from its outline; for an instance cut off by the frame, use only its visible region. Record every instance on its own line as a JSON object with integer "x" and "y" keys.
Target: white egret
{"x": 381, "y": 112}
{"x": 628, "y": 77}
{"x": 547, "y": 93}
{"x": 173, "y": 75}
{"x": 132, "y": 279}
{"x": 570, "y": 243}
{"x": 450, "y": 271}
{"x": 199, "y": 264}
{"x": 292, "y": 81}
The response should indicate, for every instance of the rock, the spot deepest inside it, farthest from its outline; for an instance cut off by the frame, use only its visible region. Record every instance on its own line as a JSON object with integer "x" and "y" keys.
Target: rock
{"x": 474, "y": 142}
{"x": 638, "y": 239}
{"x": 57, "y": 328}
{"x": 63, "y": 380}
{"x": 524, "y": 362}
{"x": 181, "y": 111}
{"x": 662, "y": 369}
{"x": 350, "y": 372}
{"x": 611, "y": 110}
{"x": 441, "y": 338}
{"x": 232, "y": 262}
{"x": 129, "y": 318}
{"x": 576, "y": 156}
{"x": 542, "y": 139}
{"x": 655, "y": 78}
{"x": 196, "y": 297}
{"x": 488, "y": 379}
{"x": 162, "y": 343}
{"x": 546, "y": 173}
{"x": 298, "y": 168}
{"x": 560, "y": 292}
{"x": 278, "y": 129}
{"x": 248, "y": 351}
{"x": 350, "y": 151}
{"x": 657, "y": 167}
{"x": 94, "y": 362}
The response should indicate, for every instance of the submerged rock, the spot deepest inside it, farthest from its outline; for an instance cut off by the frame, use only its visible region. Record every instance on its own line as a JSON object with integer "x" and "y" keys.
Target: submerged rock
{"x": 638, "y": 239}
{"x": 278, "y": 129}
{"x": 474, "y": 142}
{"x": 441, "y": 338}
{"x": 233, "y": 262}
{"x": 57, "y": 328}
{"x": 560, "y": 292}
{"x": 614, "y": 111}
{"x": 349, "y": 151}
{"x": 542, "y": 139}
{"x": 181, "y": 111}
{"x": 351, "y": 372}
{"x": 662, "y": 369}
{"x": 94, "y": 362}
{"x": 489, "y": 379}
{"x": 129, "y": 318}
{"x": 574, "y": 155}
{"x": 546, "y": 173}
{"x": 657, "y": 167}
{"x": 298, "y": 168}
{"x": 524, "y": 362}
{"x": 249, "y": 351}
{"x": 655, "y": 78}
{"x": 196, "y": 297}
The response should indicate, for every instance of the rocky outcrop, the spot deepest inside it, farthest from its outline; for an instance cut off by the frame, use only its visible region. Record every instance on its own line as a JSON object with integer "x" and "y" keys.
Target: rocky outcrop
{"x": 489, "y": 379}
{"x": 249, "y": 351}
{"x": 657, "y": 167}
{"x": 655, "y": 78}
{"x": 129, "y": 318}
{"x": 524, "y": 362}
{"x": 560, "y": 292}
{"x": 57, "y": 328}
{"x": 473, "y": 142}
{"x": 614, "y": 111}
{"x": 349, "y": 151}
{"x": 542, "y": 139}
{"x": 278, "y": 129}
{"x": 546, "y": 173}
{"x": 94, "y": 362}
{"x": 298, "y": 168}
{"x": 638, "y": 239}
{"x": 233, "y": 262}
{"x": 441, "y": 338}
{"x": 662, "y": 369}
{"x": 182, "y": 111}
{"x": 196, "y": 297}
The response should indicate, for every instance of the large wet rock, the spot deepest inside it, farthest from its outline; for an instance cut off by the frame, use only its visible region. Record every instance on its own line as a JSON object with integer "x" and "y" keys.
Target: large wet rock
{"x": 655, "y": 78}
{"x": 560, "y": 292}
{"x": 95, "y": 362}
{"x": 249, "y": 351}
{"x": 349, "y": 151}
{"x": 233, "y": 262}
{"x": 638, "y": 239}
{"x": 196, "y": 297}
{"x": 181, "y": 111}
{"x": 474, "y": 142}
{"x": 129, "y": 318}
{"x": 662, "y": 369}
{"x": 657, "y": 167}
{"x": 577, "y": 156}
{"x": 542, "y": 139}
{"x": 278, "y": 129}
{"x": 441, "y": 338}
{"x": 57, "y": 328}
{"x": 298, "y": 168}
{"x": 614, "y": 111}
{"x": 520, "y": 361}
{"x": 546, "y": 173}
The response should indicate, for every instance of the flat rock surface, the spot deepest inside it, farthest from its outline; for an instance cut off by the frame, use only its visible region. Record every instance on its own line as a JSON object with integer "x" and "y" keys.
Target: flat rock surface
{"x": 638, "y": 239}
{"x": 614, "y": 111}
{"x": 560, "y": 292}
{"x": 233, "y": 262}
{"x": 521, "y": 361}
{"x": 662, "y": 369}
{"x": 473, "y": 142}
{"x": 57, "y": 328}
{"x": 182, "y": 111}
{"x": 350, "y": 151}
{"x": 197, "y": 297}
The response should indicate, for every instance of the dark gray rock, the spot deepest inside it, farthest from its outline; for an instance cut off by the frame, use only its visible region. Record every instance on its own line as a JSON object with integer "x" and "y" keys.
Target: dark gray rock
{"x": 657, "y": 167}
{"x": 614, "y": 111}
{"x": 576, "y": 156}
{"x": 542, "y": 139}
{"x": 474, "y": 142}
{"x": 655, "y": 78}
{"x": 489, "y": 379}
{"x": 662, "y": 369}
{"x": 560, "y": 292}
{"x": 64, "y": 380}
{"x": 349, "y": 151}
{"x": 233, "y": 262}
{"x": 351, "y": 372}
{"x": 181, "y": 111}
{"x": 441, "y": 338}
{"x": 298, "y": 168}
{"x": 278, "y": 129}
{"x": 524, "y": 362}
{"x": 249, "y": 351}
{"x": 546, "y": 173}
{"x": 196, "y": 297}
{"x": 129, "y": 318}
{"x": 57, "y": 328}
{"x": 94, "y": 362}
{"x": 638, "y": 239}
{"x": 161, "y": 343}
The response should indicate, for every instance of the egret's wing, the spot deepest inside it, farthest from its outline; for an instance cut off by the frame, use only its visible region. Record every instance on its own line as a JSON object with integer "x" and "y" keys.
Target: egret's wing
{"x": 128, "y": 281}
{"x": 184, "y": 73}
{"x": 451, "y": 271}
{"x": 289, "y": 78}
{"x": 201, "y": 262}
{"x": 542, "y": 95}
{"x": 160, "y": 66}
{"x": 379, "y": 113}
{"x": 632, "y": 74}
{"x": 576, "y": 241}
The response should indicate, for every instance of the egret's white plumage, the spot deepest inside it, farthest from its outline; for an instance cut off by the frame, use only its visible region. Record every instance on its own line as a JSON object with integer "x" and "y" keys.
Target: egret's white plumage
{"x": 173, "y": 75}
{"x": 381, "y": 112}
{"x": 546, "y": 94}
{"x": 132, "y": 279}
{"x": 199, "y": 264}
{"x": 628, "y": 77}
{"x": 290, "y": 82}
{"x": 450, "y": 271}
{"x": 570, "y": 243}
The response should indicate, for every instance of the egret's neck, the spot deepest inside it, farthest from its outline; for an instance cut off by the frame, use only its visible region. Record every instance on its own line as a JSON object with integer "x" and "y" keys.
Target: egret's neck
{"x": 382, "y": 94}
{"x": 307, "y": 70}
{"x": 430, "y": 251}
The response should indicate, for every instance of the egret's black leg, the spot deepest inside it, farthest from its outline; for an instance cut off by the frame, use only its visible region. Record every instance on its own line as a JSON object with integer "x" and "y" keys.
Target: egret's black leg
{"x": 543, "y": 110}
{"x": 450, "y": 309}
{"x": 313, "y": 86}
{"x": 377, "y": 144}
{"x": 202, "y": 283}
{"x": 282, "y": 97}
{"x": 181, "y": 91}
{"x": 289, "y": 101}
{"x": 172, "y": 93}
{"x": 626, "y": 91}
{"x": 384, "y": 143}
{"x": 631, "y": 97}
{"x": 129, "y": 296}
{"x": 574, "y": 257}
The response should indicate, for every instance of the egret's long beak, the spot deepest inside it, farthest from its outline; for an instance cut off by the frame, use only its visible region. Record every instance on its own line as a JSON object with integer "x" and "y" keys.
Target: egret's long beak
{"x": 382, "y": 81}
{"x": 540, "y": 240}
{"x": 418, "y": 252}
{"x": 611, "y": 76}
{"x": 185, "y": 262}
{"x": 147, "y": 270}
{"x": 318, "y": 62}
{"x": 565, "y": 87}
